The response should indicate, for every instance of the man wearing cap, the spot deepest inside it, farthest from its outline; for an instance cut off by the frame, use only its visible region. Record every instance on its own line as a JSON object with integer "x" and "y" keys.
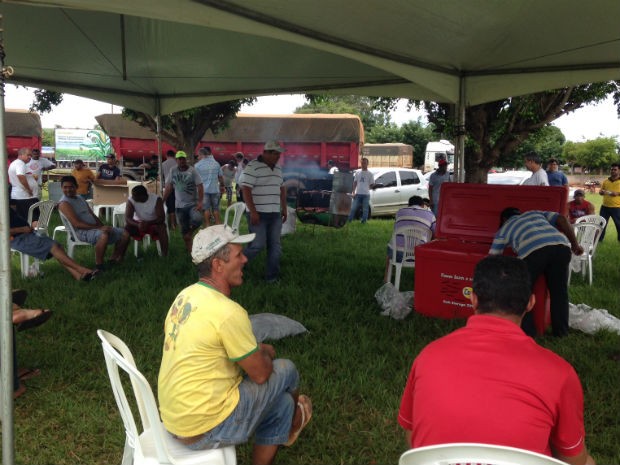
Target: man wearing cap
{"x": 217, "y": 386}
{"x": 579, "y": 206}
{"x": 265, "y": 197}
{"x": 610, "y": 190}
{"x": 435, "y": 181}
{"x": 210, "y": 172}
{"x": 37, "y": 165}
{"x": 108, "y": 171}
{"x": 188, "y": 194}
{"x": 84, "y": 178}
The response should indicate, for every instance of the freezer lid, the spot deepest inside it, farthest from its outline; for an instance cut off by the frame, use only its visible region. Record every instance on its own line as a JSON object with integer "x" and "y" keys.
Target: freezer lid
{"x": 470, "y": 212}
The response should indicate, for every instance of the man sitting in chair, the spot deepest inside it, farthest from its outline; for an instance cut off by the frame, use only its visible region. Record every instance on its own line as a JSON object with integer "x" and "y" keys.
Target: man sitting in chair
{"x": 416, "y": 214}
{"x": 144, "y": 214}
{"x": 88, "y": 227}
{"x": 217, "y": 385}
{"x": 490, "y": 383}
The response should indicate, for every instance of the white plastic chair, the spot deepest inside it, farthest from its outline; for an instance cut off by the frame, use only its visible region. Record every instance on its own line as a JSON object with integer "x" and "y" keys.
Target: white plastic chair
{"x": 118, "y": 215}
{"x": 153, "y": 445}
{"x": 412, "y": 235}
{"x": 27, "y": 270}
{"x": 481, "y": 454}
{"x": 72, "y": 239}
{"x": 46, "y": 208}
{"x": 594, "y": 219}
{"x": 237, "y": 209}
{"x": 588, "y": 234}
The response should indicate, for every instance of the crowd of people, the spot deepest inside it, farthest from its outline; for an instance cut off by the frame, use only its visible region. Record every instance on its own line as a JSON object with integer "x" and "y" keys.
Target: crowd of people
{"x": 220, "y": 387}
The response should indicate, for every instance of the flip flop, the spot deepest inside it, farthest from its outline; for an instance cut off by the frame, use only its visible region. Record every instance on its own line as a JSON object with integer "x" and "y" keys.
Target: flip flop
{"x": 305, "y": 406}
{"x": 36, "y": 321}
{"x": 89, "y": 276}
{"x": 19, "y": 296}
{"x": 27, "y": 373}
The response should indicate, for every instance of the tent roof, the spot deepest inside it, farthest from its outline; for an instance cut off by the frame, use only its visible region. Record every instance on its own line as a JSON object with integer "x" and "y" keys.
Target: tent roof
{"x": 184, "y": 53}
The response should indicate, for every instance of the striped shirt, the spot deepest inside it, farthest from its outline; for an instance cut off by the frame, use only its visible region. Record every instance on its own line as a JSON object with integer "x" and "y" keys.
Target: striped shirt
{"x": 528, "y": 232}
{"x": 265, "y": 184}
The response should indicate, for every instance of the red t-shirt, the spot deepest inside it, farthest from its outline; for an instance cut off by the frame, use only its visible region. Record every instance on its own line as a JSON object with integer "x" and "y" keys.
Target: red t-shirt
{"x": 490, "y": 383}
{"x": 575, "y": 211}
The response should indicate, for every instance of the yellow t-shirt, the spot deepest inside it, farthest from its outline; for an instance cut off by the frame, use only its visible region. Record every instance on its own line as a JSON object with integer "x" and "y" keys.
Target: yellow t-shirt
{"x": 205, "y": 334}
{"x": 608, "y": 200}
{"x": 82, "y": 177}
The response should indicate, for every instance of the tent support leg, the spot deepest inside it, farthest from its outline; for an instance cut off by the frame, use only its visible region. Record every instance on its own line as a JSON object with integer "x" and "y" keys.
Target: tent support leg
{"x": 459, "y": 166}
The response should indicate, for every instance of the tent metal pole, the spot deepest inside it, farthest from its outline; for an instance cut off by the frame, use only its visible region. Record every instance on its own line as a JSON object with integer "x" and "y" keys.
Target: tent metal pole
{"x": 6, "y": 321}
{"x": 160, "y": 177}
{"x": 460, "y": 133}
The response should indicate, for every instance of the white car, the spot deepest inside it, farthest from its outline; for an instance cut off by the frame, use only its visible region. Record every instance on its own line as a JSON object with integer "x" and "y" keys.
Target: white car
{"x": 393, "y": 188}
{"x": 517, "y": 178}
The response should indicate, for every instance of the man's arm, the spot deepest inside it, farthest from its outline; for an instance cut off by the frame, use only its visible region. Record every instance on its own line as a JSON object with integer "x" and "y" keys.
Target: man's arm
{"x": 249, "y": 202}
{"x": 583, "y": 458}
{"x": 259, "y": 365}
{"x": 24, "y": 182}
{"x": 201, "y": 195}
{"x": 590, "y": 209}
{"x": 562, "y": 224}
{"x": 129, "y": 212}
{"x": 68, "y": 211}
{"x": 283, "y": 205}
{"x": 408, "y": 434}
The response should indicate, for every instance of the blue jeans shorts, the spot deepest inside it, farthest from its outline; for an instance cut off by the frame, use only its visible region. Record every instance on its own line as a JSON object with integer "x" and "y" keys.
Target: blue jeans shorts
{"x": 211, "y": 201}
{"x": 188, "y": 218}
{"x": 264, "y": 410}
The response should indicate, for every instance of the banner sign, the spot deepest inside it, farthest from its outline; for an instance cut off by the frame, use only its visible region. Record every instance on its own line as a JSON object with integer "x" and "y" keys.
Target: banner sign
{"x": 85, "y": 144}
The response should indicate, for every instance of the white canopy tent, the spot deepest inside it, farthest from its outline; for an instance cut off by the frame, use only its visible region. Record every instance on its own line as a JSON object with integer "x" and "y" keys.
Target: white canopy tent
{"x": 160, "y": 56}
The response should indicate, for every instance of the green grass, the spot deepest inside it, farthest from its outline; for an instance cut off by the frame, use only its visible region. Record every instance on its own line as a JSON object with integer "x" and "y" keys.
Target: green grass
{"x": 353, "y": 362}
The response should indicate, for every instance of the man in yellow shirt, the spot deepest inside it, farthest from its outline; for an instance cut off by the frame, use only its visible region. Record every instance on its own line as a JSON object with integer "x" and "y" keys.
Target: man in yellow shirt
{"x": 84, "y": 178}
{"x": 610, "y": 190}
{"x": 218, "y": 386}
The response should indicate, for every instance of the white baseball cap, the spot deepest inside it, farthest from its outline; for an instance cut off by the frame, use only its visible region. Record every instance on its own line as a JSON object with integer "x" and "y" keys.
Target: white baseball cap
{"x": 274, "y": 145}
{"x": 208, "y": 241}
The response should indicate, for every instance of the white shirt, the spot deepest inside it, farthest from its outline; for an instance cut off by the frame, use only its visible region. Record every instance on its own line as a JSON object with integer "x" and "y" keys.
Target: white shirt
{"x": 539, "y": 178}
{"x": 37, "y": 167}
{"x": 19, "y": 168}
{"x": 363, "y": 180}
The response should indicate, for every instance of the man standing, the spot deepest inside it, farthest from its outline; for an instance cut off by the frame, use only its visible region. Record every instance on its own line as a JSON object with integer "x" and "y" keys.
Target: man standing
{"x": 210, "y": 172}
{"x": 511, "y": 392}
{"x": 88, "y": 227}
{"x": 363, "y": 181}
{"x": 579, "y": 206}
{"x": 37, "y": 165}
{"x": 84, "y": 178}
{"x": 188, "y": 193}
{"x": 265, "y": 198}
{"x": 24, "y": 187}
{"x": 554, "y": 175}
{"x": 539, "y": 176}
{"x": 166, "y": 168}
{"x": 610, "y": 190}
{"x": 109, "y": 171}
{"x": 440, "y": 176}
{"x": 543, "y": 240}
{"x": 205, "y": 399}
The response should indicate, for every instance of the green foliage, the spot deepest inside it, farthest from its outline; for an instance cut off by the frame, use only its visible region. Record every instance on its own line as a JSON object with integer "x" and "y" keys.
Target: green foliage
{"x": 184, "y": 129}
{"x": 364, "y": 107}
{"x": 353, "y": 362}
{"x": 45, "y": 100}
{"x": 592, "y": 154}
{"x": 546, "y": 141}
{"x": 48, "y": 138}
{"x": 413, "y": 133}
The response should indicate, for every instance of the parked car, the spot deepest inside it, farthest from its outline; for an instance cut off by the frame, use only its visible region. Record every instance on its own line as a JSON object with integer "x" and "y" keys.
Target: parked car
{"x": 392, "y": 189}
{"x": 517, "y": 178}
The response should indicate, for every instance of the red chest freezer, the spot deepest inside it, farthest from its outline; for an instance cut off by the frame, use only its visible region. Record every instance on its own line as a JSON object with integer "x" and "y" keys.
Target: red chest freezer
{"x": 468, "y": 219}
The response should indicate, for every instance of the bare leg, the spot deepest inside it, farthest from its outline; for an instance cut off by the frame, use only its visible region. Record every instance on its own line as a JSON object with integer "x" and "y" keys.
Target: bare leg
{"x": 172, "y": 220}
{"x": 163, "y": 239}
{"x": 76, "y": 270}
{"x": 100, "y": 246}
{"x": 216, "y": 215}
{"x": 263, "y": 455}
{"x": 120, "y": 247}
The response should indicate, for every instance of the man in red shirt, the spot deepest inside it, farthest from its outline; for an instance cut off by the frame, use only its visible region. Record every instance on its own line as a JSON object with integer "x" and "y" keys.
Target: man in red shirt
{"x": 579, "y": 206}
{"x": 490, "y": 383}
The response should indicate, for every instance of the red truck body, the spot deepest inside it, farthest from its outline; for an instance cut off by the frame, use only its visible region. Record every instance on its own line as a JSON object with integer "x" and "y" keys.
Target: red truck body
{"x": 309, "y": 139}
{"x": 22, "y": 129}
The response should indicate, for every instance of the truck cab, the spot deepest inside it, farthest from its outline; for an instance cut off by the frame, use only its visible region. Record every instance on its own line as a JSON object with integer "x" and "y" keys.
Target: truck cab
{"x": 435, "y": 151}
